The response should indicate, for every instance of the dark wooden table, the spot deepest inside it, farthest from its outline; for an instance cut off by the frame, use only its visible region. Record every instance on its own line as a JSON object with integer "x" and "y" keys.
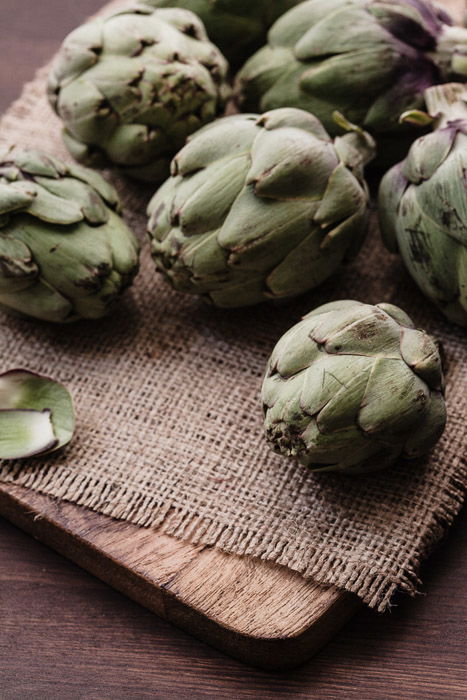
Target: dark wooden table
{"x": 64, "y": 634}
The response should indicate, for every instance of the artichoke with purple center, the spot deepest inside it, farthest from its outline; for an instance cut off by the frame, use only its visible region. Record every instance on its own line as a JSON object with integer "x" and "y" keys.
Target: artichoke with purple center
{"x": 130, "y": 87}
{"x": 370, "y": 60}
{"x": 65, "y": 251}
{"x": 423, "y": 203}
{"x": 260, "y": 207}
{"x": 352, "y": 388}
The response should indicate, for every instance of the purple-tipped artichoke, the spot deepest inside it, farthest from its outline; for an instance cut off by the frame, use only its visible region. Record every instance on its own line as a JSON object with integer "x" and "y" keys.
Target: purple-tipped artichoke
{"x": 423, "y": 204}
{"x": 370, "y": 60}
{"x": 352, "y": 388}
{"x": 132, "y": 86}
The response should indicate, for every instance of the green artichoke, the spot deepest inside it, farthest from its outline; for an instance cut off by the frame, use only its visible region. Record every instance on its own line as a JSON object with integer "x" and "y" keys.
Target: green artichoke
{"x": 368, "y": 59}
{"x": 423, "y": 204}
{"x": 237, "y": 27}
{"x": 65, "y": 253}
{"x": 260, "y": 207}
{"x": 352, "y": 388}
{"x": 132, "y": 86}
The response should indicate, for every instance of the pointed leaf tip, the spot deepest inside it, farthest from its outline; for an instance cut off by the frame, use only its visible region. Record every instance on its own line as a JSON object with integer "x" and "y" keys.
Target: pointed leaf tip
{"x": 416, "y": 117}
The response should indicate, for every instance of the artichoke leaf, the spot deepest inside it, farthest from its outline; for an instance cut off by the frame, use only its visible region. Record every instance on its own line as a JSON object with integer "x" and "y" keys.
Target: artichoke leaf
{"x": 427, "y": 153}
{"x": 24, "y": 433}
{"x": 85, "y": 197}
{"x": 50, "y": 208}
{"x": 281, "y": 164}
{"x": 422, "y": 356}
{"x": 305, "y": 266}
{"x": 13, "y": 198}
{"x": 37, "y": 163}
{"x": 84, "y": 45}
{"x": 36, "y": 413}
{"x": 375, "y": 329}
{"x": 450, "y": 183}
{"x": 238, "y": 293}
{"x": 333, "y": 306}
{"x": 342, "y": 316}
{"x": 227, "y": 138}
{"x": 97, "y": 182}
{"x": 354, "y": 27}
{"x": 428, "y": 433}
{"x": 17, "y": 267}
{"x": 345, "y": 397}
{"x": 384, "y": 112}
{"x": 93, "y": 119}
{"x": 40, "y": 300}
{"x": 291, "y": 117}
{"x": 210, "y": 200}
{"x": 391, "y": 189}
{"x": 397, "y": 314}
{"x": 342, "y": 198}
{"x": 294, "y": 352}
{"x": 326, "y": 379}
{"x": 367, "y": 69}
{"x": 252, "y": 220}
{"x": 288, "y": 29}
{"x": 395, "y": 399}
{"x": 206, "y": 261}
{"x": 287, "y": 402}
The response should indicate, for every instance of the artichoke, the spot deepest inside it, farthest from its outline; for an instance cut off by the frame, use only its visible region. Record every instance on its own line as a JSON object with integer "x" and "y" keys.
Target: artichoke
{"x": 237, "y": 27}
{"x": 423, "y": 204}
{"x": 368, "y": 59}
{"x": 260, "y": 207}
{"x": 132, "y": 86}
{"x": 352, "y": 388}
{"x": 65, "y": 253}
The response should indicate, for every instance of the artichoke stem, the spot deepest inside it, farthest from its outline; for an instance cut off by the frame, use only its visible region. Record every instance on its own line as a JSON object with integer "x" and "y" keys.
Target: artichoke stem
{"x": 447, "y": 103}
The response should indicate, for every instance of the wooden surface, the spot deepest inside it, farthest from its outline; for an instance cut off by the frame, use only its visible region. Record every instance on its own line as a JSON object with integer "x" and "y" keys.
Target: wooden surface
{"x": 259, "y": 613}
{"x": 64, "y": 634}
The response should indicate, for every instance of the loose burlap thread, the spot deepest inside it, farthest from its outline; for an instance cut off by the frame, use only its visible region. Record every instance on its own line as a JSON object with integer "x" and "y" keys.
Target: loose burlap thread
{"x": 169, "y": 431}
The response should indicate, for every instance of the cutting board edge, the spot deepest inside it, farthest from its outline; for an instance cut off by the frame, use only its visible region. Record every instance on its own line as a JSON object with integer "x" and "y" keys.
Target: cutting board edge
{"x": 269, "y": 653}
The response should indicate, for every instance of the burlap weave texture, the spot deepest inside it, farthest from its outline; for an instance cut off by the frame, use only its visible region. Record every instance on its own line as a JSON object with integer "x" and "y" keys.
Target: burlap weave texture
{"x": 170, "y": 427}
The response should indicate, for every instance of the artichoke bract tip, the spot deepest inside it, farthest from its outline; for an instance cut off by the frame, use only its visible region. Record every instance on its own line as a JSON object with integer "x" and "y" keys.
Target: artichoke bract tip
{"x": 353, "y": 387}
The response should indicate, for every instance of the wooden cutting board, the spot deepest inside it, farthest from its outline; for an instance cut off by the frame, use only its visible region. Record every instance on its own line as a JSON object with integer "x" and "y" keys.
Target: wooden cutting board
{"x": 258, "y": 612}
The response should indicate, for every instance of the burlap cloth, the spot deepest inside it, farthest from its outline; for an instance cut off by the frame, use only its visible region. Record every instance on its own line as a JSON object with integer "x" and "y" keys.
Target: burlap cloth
{"x": 169, "y": 428}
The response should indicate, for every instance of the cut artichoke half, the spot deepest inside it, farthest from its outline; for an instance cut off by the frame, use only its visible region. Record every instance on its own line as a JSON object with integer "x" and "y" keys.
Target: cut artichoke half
{"x": 36, "y": 415}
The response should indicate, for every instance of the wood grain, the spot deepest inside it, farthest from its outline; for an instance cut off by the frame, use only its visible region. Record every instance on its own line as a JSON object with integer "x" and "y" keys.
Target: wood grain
{"x": 260, "y": 613}
{"x": 64, "y": 634}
